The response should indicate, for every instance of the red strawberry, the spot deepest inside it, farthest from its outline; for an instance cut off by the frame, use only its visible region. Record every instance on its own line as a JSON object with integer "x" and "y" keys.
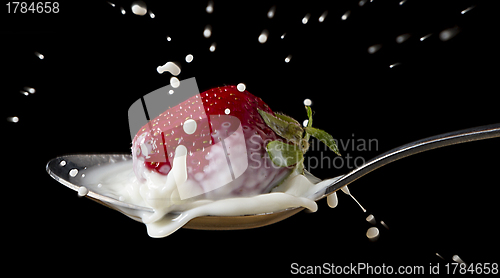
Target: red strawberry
{"x": 224, "y": 139}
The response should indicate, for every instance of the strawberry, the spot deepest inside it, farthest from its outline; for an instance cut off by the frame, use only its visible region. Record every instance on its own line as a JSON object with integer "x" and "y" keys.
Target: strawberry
{"x": 229, "y": 143}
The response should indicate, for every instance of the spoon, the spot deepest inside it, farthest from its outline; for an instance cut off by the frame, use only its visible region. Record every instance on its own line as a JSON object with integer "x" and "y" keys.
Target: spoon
{"x": 58, "y": 169}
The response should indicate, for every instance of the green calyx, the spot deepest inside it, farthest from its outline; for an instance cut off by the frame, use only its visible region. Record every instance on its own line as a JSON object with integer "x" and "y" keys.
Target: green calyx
{"x": 292, "y": 152}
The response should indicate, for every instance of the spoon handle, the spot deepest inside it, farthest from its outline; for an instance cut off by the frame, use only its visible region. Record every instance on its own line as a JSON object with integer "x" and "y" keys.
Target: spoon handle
{"x": 422, "y": 145}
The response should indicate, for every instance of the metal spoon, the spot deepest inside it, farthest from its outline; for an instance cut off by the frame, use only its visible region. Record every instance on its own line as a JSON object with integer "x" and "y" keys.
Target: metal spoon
{"x": 81, "y": 163}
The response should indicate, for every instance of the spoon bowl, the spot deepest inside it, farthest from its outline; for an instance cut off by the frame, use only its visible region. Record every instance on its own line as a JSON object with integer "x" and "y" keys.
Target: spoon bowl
{"x": 71, "y": 171}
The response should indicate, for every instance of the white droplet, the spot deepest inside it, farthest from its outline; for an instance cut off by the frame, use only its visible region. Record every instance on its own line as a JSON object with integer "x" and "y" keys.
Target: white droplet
{"x": 468, "y": 9}
{"x": 373, "y": 234}
{"x": 361, "y": 3}
{"x": 402, "y": 38}
{"x": 24, "y": 93}
{"x": 385, "y": 225}
{"x": 208, "y": 31}
{"x": 122, "y": 10}
{"x": 371, "y": 219}
{"x": 323, "y": 16}
{"x": 227, "y": 111}
{"x": 170, "y": 67}
{"x": 263, "y": 36}
{"x": 449, "y": 33}
{"x": 73, "y": 172}
{"x": 13, "y": 119}
{"x": 210, "y": 7}
{"x": 425, "y": 37}
{"x": 169, "y": 38}
{"x": 307, "y": 102}
{"x": 174, "y": 81}
{"x": 305, "y": 122}
{"x": 270, "y": 13}
{"x": 62, "y": 163}
{"x": 394, "y": 65}
{"x": 151, "y": 14}
{"x": 82, "y": 191}
{"x": 305, "y": 19}
{"x": 346, "y": 15}
{"x": 283, "y": 36}
{"x": 457, "y": 259}
{"x": 171, "y": 92}
{"x": 288, "y": 58}
{"x": 212, "y": 47}
{"x": 346, "y": 191}
{"x": 189, "y": 126}
{"x": 241, "y": 87}
{"x": 139, "y": 8}
{"x": 30, "y": 90}
{"x": 374, "y": 48}
{"x": 437, "y": 254}
{"x": 189, "y": 58}
{"x": 112, "y": 5}
{"x": 39, "y": 55}
{"x": 331, "y": 199}
{"x": 402, "y": 2}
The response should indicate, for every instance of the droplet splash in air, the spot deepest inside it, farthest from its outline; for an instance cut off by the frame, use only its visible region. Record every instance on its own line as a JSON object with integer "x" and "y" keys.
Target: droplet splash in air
{"x": 402, "y": 2}
{"x": 122, "y": 10}
{"x": 62, "y": 163}
{"x": 346, "y": 191}
{"x": 151, "y": 14}
{"x": 241, "y": 87}
{"x": 449, "y": 33}
{"x": 39, "y": 55}
{"x": 30, "y": 90}
{"x": 112, "y": 5}
{"x": 361, "y": 3}
{"x": 306, "y": 18}
{"x": 13, "y": 119}
{"x": 24, "y": 93}
{"x": 288, "y": 58}
{"x": 210, "y": 7}
{"x": 82, "y": 191}
{"x": 307, "y": 102}
{"x": 174, "y": 82}
{"x": 139, "y": 8}
{"x": 425, "y": 37}
{"x": 207, "y": 32}
{"x": 227, "y": 111}
{"x": 212, "y": 47}
{"x": 171, "y": 92}
{"x": 437, "y": 254}
{"x": 383, "y": 224}
{"x": 346, "y": 15}
{"x": 169, "y": 39}
{"x": 73, "y": 172}
{"x": 170, "y": 67}
{"x": 304, "y": 123}
{"x": 323, "y": 16}
{"x": 373, "y": 234}
{"x": 189, "y": 58}
{"x": 374, "y": 48}
{"x": 283, "y": 36}
{"x": 270, "y": 13}
{"x": 263, "y": 36}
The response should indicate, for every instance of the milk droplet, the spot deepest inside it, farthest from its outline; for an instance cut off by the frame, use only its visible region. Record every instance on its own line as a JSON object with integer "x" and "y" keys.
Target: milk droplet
{"x": 151, "y": 14}
{"x": 189, "y": 126}
{"x": 468, "y": 9}
{"x": 189, "y": 58}
{"x": 263, "y": 36}
{"x": 307, "y": 102}
{"x": 306, "y": 121}
{"x": 449, "y": 33}
{"x": 169, "y": 38}
{"x": 73, "y": 172}
{"x": 174, "y": 81}
{"x": 139, "y": 8}
{"x": 212, "y": 47}
{"x": 305, "y": 19}
{"x": 207, "y": 32}
{"x": 457, "y": 259}
{"x": 323, "y": 16}
{"x": 82, "y": 191}
{"x": 346, "y": 191}
{"x": 425, "y": 37}
{"x": 62, "y": 163}
{"x": 227, "y": 111}
{"x": 39, "y": 55}
{"x": 241, "y": 87}
{"x": 346, "y": 15}
{"x": 170, "y": 67}
{"x": 13, "y": 119}
{"x": 371, "y": 219}
{"x": 332, "y": 199}
{"x": 374, "y": 48}
{"x": 270, "y": 13}
{"x": 122, "y": 10}
{"x": 402, "y": 38}
{"x": 171, "y": 92}
{"x": 385, "y": 225}
{"x": 394, "y": 65}
{"x": 210, "y": 7}
{"x": 30, "y": 90}
{"x": 288, "y": 58}
{"x": 373, "y": 234}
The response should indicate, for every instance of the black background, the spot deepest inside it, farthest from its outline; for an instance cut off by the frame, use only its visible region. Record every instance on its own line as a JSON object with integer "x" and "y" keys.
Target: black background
{"x": 98, "y": 62}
